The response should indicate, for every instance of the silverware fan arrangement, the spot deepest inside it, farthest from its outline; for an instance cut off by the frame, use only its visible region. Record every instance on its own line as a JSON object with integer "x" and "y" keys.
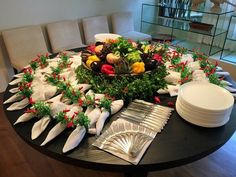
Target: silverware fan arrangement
{"x": 130, "y": 136}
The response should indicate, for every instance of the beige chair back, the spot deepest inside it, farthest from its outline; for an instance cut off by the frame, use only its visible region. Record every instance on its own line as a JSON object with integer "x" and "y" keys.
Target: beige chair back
{"x": 122, "y": 22}
{"x": 94, "y": 25}
{"x": 64, "y": 35}
{"x": 23, "y": 44}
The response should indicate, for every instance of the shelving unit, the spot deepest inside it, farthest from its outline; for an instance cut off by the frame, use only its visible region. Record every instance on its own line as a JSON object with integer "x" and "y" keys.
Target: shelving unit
{"x": 229, "y": 55}
{"x": 177, "y": 18}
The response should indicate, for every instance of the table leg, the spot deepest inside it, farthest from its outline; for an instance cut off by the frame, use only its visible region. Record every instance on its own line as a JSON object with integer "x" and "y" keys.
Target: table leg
{"x": 136, "y": 174}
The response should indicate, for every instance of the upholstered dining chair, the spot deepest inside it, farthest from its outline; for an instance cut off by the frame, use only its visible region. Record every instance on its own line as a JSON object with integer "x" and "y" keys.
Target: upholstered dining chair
{"x": 123, "y": 24}
{"x": 64, "y": 35}
{"x": 23, "y": 44}
{"x": 94, "y": 25}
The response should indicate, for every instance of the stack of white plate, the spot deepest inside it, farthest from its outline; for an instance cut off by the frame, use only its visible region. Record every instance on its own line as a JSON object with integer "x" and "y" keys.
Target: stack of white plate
{"x": 204, "y": 104}
{"x": 102, "y": 37}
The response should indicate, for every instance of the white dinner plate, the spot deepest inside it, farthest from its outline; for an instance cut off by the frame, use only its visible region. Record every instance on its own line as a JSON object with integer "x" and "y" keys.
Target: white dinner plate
{"x": 206, "y": 96}
{"x": 102, "y": 37}
{"x": 204, "y": 118}
{"x": 202, "y": 111}
{"x": 192, "y": 120}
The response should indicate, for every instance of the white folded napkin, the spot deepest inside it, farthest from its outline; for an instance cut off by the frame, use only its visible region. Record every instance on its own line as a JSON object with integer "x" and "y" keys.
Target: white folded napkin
{"x": 94, "y": 115}
{"x": 199, "y": 75}
{"x": 230, "y": 89}
{"x": 187, "y": 58}
{"x": 39, "y": 127}
{"x": 19, "y": 105}
{"x": 88, "y": 110}
{"x": 13, "y": 98}
{"x": 24, "y": 118}
{"x": 173, "y": 77}
{"x": 14, "y": 90}
{"x": 101, "y": 121}
{"x": 19, "y": 75}
{"x": 194, "y": 65}
{"x": 83, "y": 87}
{"x": 74, "y": 139}
{"x": 222, "y": 74}
{"x": 98, "y": 97}
{"x": 171, "y": 89}
{"x": 15, "y": 81}
{"x": 224, "y": 82}
{"x": 54, "y": 132}
{"x": 76, "y": 59}
{"x": 115, "y": 107}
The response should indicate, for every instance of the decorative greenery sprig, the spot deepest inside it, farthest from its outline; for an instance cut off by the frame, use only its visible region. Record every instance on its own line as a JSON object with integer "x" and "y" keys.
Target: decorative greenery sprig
{"x": 123, "y": 87}
{"x": 41, "y": 60}
{"x": 77, "y": 119}
{"x": 40, "y": 108}
{"x": 65, "y": 62}
{"x": 28, "y": 75}
{"x": 208, "y": 68}
{"x": 105, "y": 103}
{"x": 25, "y": 89}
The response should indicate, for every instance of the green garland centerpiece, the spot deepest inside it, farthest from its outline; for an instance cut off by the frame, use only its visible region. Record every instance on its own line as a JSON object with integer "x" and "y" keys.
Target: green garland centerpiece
{"x": 137, "y": 69}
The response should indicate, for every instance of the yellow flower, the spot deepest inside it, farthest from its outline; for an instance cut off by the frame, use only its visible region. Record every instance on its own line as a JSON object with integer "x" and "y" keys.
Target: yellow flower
{"x": 138, "y": 67}
{"x": 91, "y": 59}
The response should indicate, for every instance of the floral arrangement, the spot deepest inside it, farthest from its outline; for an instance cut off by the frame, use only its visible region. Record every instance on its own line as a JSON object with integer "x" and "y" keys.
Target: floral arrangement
{"x": 122, "y": 56}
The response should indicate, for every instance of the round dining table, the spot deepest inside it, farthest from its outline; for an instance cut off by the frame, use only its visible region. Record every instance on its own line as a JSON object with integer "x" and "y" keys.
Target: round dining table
{"x": 179, "y": 143}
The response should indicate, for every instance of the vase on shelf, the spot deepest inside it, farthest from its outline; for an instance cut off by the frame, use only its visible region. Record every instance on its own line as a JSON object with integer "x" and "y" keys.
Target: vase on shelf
{"x": 196, "y": 3}
{"x": 216, "y": 6}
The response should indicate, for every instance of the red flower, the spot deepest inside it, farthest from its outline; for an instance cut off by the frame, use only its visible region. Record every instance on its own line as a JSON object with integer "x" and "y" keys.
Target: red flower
{"x": 171, "y": 104}
{"x": 92, "y": 48}
{"x": 65, "y": 117}
{"x": 80, "y": 101}
{"x": 31, "y": 111}
{"x": 157, "y": 57}
{"x": 70, "y": 124}
{"x": 107, "y": 69}
{"x": 66, "y": 110}
{"x": 73, "y": 116}
{"x": 157, "y": 99}
{"x": 31, "y": 101}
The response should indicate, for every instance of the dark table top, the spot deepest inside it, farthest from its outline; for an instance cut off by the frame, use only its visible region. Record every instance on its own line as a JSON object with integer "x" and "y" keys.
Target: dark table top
{"x": 179, "y": 143}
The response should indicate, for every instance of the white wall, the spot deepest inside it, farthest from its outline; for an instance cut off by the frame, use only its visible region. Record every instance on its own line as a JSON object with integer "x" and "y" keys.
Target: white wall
{"x": 17, "y": 13}
{"x": 14, "y": 13}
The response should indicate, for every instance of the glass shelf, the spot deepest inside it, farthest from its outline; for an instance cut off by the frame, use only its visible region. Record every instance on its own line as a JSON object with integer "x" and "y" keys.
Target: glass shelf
{"x": 184, "y": 25}
{"x": 200, "y": 9}
{"x": 170, "y": 18}
{"x": 231, "y": 38}
{"x": 199, "y": 46}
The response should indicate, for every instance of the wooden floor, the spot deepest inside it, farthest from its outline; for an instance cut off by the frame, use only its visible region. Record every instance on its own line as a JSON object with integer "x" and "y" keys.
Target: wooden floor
{"x": 17, "y": 159}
